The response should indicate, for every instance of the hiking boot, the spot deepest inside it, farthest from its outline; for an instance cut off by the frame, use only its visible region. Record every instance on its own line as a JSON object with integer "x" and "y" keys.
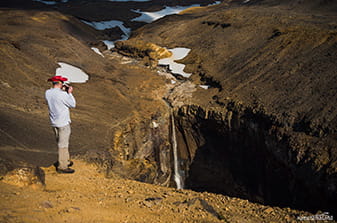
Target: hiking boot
{"x": 68, "y": 170}
{"x": 56, "y": 164}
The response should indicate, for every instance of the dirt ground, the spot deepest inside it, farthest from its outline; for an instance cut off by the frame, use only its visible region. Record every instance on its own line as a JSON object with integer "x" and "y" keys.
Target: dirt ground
{"x": 88, "y": 196}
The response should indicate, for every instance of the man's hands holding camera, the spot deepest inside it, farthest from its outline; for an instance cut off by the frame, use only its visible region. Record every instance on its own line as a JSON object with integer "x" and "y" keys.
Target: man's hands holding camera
{"x": 69, "y": 89}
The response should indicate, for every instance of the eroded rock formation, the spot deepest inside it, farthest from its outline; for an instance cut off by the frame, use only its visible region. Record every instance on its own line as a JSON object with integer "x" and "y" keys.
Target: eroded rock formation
{"x": 150, "y": 53}
{"x": 245, "y": 153}
{"x": 266, "y": 130}
{"x": 142, "y": 150}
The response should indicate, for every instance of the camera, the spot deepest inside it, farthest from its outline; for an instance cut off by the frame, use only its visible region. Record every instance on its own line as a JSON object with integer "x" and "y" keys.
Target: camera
{"x": 65, "y": 87}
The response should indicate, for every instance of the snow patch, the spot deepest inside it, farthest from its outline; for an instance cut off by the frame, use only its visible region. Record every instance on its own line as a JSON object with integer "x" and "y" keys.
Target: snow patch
{"x": 109, "y": 44}
{"x": 155, "y": 124}
{"x": 74, "y": 74}
{"x": 215, "y": 3}
{"x": 204, "y": 86}
{"x": 108, "y": 25}
{"x": 149, "y": 17}
{"x": 129, "y": 0}
{"x": 177, "y": 54}
{"x": 46, "y": 2}
{"x": 96, "y": 50}
{"x": 50, "y": 2}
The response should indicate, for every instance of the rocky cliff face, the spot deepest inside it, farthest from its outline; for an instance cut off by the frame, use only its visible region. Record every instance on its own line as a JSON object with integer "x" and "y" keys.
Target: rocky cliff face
{"x": 244, "y": 153}
{"x": 266, "y": 130}
{"x": 142, "y": 150}
{"x": 227, "y": 147}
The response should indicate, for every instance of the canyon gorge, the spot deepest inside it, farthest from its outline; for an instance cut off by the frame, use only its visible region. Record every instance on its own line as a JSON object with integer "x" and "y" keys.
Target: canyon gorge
{"x": 255, "y": 120}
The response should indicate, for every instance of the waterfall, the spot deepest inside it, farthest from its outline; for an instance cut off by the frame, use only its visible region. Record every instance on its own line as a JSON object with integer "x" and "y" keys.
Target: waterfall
{"x": 177, "y": 176}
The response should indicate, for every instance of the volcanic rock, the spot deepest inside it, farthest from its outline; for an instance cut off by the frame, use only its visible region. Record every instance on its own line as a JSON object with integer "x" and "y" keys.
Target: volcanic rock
{"x": 272, "y": 68}
{"x": 26, "y": 176}
{"x": 264, "y": 131}
{"x": 149, "y": 52}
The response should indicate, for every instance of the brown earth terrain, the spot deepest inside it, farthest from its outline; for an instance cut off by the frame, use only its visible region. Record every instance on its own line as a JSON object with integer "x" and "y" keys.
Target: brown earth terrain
{"x": 265, "y": 131}
{"x": 88, "y": 196}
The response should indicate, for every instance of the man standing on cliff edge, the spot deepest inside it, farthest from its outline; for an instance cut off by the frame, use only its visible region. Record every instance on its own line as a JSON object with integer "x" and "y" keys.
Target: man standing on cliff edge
{"x": 59, "y": 101}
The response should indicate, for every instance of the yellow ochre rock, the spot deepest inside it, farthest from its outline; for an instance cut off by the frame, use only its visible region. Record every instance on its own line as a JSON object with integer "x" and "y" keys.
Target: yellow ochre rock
{"x": 26, "y": 176}
{"x": 140, "y": 48}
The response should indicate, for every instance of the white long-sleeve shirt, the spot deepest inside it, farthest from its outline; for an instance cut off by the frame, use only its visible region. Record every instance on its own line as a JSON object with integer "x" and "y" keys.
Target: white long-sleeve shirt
{"x": 59, "y": 103}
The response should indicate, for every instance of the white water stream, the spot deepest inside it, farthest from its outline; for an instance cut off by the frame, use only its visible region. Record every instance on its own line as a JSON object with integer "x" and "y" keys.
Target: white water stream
{"x": 177, "y": 177}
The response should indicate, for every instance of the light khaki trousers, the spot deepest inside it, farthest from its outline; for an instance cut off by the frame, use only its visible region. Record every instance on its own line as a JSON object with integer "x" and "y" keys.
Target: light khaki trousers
{"x": 62, "y": 135}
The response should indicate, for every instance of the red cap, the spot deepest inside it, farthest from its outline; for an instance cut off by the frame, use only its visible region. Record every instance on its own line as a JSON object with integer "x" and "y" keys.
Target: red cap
{"x": 58, "y": 78}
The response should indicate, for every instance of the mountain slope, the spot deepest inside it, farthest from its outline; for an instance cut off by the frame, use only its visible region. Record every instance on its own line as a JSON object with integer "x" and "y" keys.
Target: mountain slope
{"x": 32, "y": 43}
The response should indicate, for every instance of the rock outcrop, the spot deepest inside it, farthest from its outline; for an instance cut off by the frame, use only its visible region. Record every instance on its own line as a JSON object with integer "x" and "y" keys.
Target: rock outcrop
{"x": 33, "y": 177}
{"x": 142, "y": 150}
{"x": 150, "y": 53}
{"x": 243, "y": 152}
